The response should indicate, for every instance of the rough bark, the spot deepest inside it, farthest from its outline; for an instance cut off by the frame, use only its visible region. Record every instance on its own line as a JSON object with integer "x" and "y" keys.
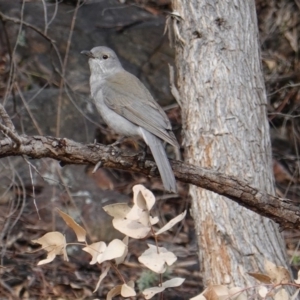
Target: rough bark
{"x": 225, "y": 129}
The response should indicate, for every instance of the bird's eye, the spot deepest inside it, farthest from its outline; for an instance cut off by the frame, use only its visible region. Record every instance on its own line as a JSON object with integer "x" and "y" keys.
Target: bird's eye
{"x": 105, "y": 56}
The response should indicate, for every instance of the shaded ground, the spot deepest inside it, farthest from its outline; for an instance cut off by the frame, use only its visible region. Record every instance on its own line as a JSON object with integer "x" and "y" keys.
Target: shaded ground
{"x": 74, "y": 189}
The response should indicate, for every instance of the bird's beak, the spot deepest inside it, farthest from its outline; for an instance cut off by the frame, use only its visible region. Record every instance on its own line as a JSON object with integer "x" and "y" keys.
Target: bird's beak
{"x": 87, "y": 53}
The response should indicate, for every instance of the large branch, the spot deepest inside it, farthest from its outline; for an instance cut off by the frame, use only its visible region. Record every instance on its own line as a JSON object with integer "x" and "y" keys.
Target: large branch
{"x": 282, "y": 211}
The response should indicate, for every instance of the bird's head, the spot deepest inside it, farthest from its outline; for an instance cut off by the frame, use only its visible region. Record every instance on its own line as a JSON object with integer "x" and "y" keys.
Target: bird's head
{"x": 103, "y": 60}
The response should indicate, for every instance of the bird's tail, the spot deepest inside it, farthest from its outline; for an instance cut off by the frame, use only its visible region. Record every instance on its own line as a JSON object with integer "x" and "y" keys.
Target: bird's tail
{"x": 166, "y": 173}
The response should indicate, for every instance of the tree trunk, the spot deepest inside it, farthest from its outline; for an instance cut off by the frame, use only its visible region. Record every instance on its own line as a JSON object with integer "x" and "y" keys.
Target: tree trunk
{"x": 225, "y": 128}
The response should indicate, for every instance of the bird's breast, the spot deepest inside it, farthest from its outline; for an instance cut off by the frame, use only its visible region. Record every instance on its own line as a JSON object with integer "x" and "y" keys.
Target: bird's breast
{"x": 115, "y": 121}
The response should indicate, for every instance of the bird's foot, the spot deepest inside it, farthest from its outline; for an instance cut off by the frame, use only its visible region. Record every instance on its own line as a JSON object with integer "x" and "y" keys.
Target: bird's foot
{"x": 114, "y": 151}
{"x": 118, "y": 142}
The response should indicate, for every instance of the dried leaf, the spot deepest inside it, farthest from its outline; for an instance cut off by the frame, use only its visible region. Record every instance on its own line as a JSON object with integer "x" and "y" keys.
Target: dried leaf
{"x": 50, "y": 257}
{"x": 198, "y": 297}
{"x": 54, "y": 243}
{"x": 79, "y": 231}
{"x": 95, "y": 249}
{"x": 157, "y": 261}
{"x": 102, "y": 276}
{"x": 133, "y": 222}
{"x": 140, "y": 215}
{"x": 174, "y": 282}
{"x": 261, "y": 277}
{"x": 282, "y": 294}
{"x": 263, "y": 291}
{"x": 120, "y": 260}
{"x": 133, "y": 229}
{"x": 154, "y": 220}
{"x": 143, "y": 197}
{"x": 127, "y": 291}
{"x": 150, "y": 292}
{"x": 218, "y": 292}
{"x": 115, "y": 249}
{"x": 114, "y": 292}
{"x": 277, "y": 274}
{"x": 117, "y": 210}
{"x": 171, "y": 223}
{"x": 237, "y": 293}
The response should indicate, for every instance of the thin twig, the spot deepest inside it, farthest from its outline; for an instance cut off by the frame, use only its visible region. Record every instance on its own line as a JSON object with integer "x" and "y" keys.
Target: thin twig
{"x": 36, "y": 124}
{"x": 33, "y": 188}
{"x": 45, "y": 16}
{"x": 58, "y": 118}
{"x": 12, "y": 64}
{"x": 6, "y": 131}
{"x": 37, "y": 30}
{"x": 6, "y": 119}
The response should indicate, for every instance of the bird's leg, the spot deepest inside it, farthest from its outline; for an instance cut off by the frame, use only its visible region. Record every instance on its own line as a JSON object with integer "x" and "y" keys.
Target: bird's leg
{"x": 114, "y": 149}
{"x": 118, "y": 141}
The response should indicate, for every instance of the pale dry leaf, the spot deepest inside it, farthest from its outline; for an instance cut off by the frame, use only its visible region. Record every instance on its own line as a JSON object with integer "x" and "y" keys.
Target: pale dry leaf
{"x": 199, "y": 297}
{"x": 127, "y": 291}
{"x": 140, "y": 215}
{"x": 277, "y": 274}
{"x": 144, "y": 218}
{"x": 135, "y": 213}
{"x": 120, "y": 260}
{"x": 54, "y": 243}
{"x": 138, "y": 197}
{"x": 116, "y": 248}
{"x": 171, "y": 223}
{"x": 156, "y": 261}
{"x": 237, "y": 293}
{"x": 271, "y": 64}
{"x": 263, "y": 291}
{"x": 79, "y": 231}
{"x": 298, "y": 278}
{"x": 114, "y": 292}
{"x": 174, "y": 282}
{"x": 133, "y": 229}
{"x": 51, "y": 240}
{"x": 261, "y": 277}
{"x": 150, "y": 292}
{"x": 282, "y": 294}
{"x": 132, "y": 222}
{"x": 117, "y": 210}
{"x": 50, "y": 257}
{"x": 102, "y": 276}
{"x": 154, "y": 220}
{"x": 143, "y": 197}
{"x": 95, "y": 249}
{"x": 216, "y": 292}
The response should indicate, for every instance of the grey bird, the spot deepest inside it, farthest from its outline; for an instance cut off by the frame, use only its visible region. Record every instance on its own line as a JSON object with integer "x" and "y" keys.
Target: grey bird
{"x": 127, "y": 107}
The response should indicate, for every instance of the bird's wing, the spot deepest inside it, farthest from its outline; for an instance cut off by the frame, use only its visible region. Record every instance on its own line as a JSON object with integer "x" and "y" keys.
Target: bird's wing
{"x": 127, "y": 96}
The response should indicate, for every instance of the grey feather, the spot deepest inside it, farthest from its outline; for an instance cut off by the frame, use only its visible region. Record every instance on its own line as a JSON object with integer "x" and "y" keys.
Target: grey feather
{"x": 161, "y": 159}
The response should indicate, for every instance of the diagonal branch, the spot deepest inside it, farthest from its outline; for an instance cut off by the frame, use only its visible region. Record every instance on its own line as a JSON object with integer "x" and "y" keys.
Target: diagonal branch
{"x": 283, "y": 211}
{"x": 8, "y": 127}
